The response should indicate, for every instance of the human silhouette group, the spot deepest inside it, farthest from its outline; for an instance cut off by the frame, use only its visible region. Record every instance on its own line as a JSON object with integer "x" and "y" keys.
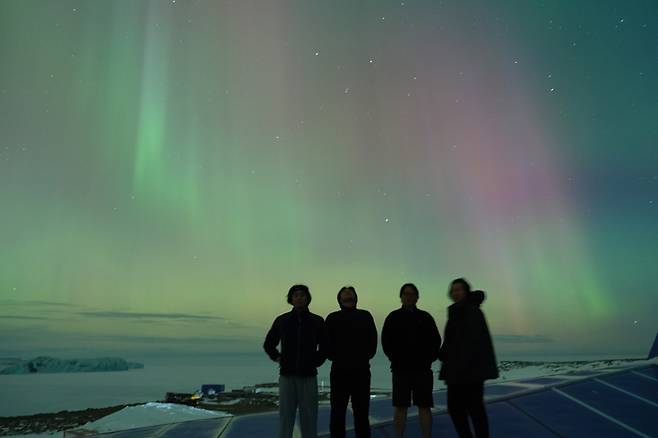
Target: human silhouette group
{"x": 301, "y": 341}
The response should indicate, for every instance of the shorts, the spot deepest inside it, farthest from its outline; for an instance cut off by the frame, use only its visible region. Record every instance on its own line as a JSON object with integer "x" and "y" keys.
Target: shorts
{"x": 416, "y": 384}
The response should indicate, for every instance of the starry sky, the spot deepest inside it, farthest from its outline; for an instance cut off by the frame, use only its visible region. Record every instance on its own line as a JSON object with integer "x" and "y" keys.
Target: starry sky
{"x": 169, "y": 168}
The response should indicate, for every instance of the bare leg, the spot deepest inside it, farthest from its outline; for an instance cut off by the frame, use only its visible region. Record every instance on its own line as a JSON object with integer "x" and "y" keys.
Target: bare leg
{"x": 425, "y": 415}
{"x": 400, "y": 420}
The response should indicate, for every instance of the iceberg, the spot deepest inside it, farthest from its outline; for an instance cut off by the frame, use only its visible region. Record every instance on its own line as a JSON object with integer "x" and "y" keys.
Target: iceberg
{"x": 46, "y": 364}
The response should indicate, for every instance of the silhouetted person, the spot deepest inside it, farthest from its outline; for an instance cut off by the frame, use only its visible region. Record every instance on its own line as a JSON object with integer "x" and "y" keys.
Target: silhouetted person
{"x": 352, "y": 342}
{"x": 411, "y": 341}
{"x": 468, "y": 360}
{"x": 303, "y": 343}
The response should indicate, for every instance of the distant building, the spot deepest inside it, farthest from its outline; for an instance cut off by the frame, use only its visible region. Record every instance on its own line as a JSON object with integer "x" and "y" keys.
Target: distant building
{"x": 212, "y": 389}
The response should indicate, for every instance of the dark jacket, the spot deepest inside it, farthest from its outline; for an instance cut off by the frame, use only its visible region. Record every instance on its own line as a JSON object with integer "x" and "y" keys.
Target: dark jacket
{"x": 352, "y": 338}
{"x": 467, "y": 352}
{"x": 303, "y": 343}
{"x": 410, "y": 340}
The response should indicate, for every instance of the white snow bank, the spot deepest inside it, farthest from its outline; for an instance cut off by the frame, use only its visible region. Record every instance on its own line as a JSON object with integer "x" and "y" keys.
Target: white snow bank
{"x": 149, "y": 414}
{"x": 529, "y": 370}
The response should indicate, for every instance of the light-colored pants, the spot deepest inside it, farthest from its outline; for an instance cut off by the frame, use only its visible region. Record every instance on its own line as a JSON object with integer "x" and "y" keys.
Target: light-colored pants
{"x": 298, "y": 392}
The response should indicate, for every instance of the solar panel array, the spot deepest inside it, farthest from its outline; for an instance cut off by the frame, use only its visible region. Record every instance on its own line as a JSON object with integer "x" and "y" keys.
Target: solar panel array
{"x": 616, "y": 403}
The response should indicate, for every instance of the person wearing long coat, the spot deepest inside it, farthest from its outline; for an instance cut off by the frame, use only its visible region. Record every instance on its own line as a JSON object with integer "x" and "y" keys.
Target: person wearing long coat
{"x": 468, "y": 359}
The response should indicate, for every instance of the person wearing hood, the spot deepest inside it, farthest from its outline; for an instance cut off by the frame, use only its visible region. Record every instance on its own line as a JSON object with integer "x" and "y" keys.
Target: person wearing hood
{"x": 411, "y": 341}
{"x": 351, "y": 343}
{"x": 468, "y": 359}
{"x": 302, "y": 336}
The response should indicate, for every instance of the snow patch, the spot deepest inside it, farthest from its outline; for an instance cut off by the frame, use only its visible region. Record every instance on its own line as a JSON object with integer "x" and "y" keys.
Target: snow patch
{"x": 150, "y": 414}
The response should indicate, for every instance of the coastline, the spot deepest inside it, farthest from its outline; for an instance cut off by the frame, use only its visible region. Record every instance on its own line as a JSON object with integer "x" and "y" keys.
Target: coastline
{"x": 247, "y": 400}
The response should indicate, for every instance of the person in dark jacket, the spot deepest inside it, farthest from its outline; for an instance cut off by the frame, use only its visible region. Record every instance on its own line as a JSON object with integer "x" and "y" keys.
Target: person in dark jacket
{"x": 468, "y": 360}
{"x": 411, "y": 341}
{"x": 352, "y": 342}
{"x": 302, "y": 336}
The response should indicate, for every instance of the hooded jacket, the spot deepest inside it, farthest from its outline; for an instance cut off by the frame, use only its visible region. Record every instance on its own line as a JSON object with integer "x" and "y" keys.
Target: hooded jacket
{"x": 351, "y": 337}
{"x": 303, "y": 343}
{"x": 467, "y": 352}
{"x": 410, "y": 340}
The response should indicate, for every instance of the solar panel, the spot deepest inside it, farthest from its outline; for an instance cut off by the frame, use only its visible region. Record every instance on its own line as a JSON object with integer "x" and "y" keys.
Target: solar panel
{"x": 635, "y": 384}
{"x": 651, "y": 372}
{"x": 210, "y": 428}
{"x": 381, "y": 409}
{"x": 566, "y": 417}
{"x": 500, "y": 390}
{"x": 506, "y": 420}
{"x": 544, "y": 380}
{"x": 582, "y": 406}
{"x": 628, "y": 409}
{"x": 253, "y": 425}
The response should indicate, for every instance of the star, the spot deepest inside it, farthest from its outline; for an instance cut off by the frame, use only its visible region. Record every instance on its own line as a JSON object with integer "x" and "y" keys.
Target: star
{"x": 387, "y": 220}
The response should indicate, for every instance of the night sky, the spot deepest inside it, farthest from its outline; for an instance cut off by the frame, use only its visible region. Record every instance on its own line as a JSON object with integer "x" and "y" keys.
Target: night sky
{"x": 169, "y": 168}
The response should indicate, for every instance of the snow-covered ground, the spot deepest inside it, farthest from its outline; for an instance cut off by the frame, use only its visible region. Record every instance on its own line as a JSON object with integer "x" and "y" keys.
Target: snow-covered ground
{"x": 149, "y": 414}
{"x": 516, "y": 370}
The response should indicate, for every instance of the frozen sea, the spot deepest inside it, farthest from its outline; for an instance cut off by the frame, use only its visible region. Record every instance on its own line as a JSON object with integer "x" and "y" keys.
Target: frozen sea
{"x": 46, "y": 393}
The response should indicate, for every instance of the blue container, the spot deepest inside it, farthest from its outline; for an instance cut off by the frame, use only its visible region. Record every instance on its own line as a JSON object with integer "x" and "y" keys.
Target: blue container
{"x": 209, "y": 389}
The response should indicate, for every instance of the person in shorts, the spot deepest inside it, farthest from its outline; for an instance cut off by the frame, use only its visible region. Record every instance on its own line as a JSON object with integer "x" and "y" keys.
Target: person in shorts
{"x": 411, "y": 341}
